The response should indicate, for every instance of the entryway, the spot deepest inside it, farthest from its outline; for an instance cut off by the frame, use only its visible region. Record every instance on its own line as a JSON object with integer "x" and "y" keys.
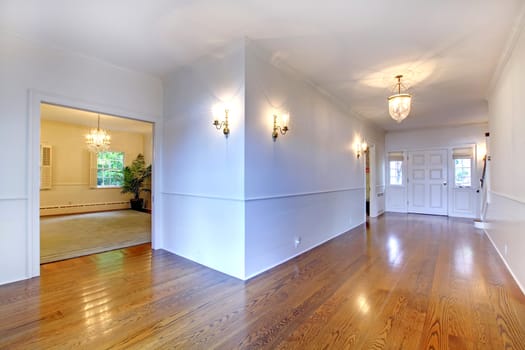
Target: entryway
{"x": 82, "y": 209}
{"x": 427, "y": 182}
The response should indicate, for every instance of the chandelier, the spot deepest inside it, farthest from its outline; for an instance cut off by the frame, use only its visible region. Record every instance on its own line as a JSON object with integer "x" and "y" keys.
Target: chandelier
{"x": 399, "y": 104}
{"x": 98, "y": 139}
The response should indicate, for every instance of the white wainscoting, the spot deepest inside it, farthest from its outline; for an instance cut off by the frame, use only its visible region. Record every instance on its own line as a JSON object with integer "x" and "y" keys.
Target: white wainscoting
{"x": 13, "y": 225}
{"x": 277, "y": 229}
{"x": 506, "y": 229}
{"x": 244, "y": 238}
{"x": 207, "y": 230}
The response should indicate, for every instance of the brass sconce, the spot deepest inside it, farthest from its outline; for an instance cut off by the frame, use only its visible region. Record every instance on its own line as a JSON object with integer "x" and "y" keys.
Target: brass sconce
{"x": 362, "y": 147}
{"x": 282, "y": 129}
{"x": 224, "y": 124}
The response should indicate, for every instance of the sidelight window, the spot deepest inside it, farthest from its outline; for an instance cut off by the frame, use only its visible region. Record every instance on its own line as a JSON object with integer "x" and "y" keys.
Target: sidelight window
{"x": 462, "y": 166}
{"x": 395, "y": 168}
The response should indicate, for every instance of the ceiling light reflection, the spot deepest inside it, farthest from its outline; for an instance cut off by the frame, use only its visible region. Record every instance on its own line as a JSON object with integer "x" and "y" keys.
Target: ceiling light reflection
{"x": 394, "y": 256}
{"x": 463, "y": 260}
{"x": 363, "y": 305}
{"x": 413, "y": 74}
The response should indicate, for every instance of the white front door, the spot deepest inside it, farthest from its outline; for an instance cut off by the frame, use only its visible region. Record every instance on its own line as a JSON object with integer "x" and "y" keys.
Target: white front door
{"x": 427, "y": 182}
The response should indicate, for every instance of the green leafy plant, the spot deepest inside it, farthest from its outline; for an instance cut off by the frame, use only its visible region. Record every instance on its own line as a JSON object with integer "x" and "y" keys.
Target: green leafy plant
{"x": 134, "y": 177}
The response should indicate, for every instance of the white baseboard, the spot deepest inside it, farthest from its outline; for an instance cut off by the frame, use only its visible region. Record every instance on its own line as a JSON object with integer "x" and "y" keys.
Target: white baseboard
{"x": 505, "y": 262}
{"x": 82, "y": 208}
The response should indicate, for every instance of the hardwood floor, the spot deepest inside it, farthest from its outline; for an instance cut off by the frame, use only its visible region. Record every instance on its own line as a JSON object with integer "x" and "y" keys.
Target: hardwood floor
{"x": 403, "y": 282}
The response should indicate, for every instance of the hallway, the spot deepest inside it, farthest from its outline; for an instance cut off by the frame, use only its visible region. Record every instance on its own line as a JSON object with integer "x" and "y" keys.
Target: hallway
{"x": 406, "y": 281}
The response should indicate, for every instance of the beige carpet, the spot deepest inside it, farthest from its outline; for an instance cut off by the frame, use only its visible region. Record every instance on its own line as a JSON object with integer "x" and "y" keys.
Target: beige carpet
{"x": 68, "y": 236}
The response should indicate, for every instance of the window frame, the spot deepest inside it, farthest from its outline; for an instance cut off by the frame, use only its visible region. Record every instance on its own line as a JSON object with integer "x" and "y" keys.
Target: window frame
{"x": 105, "y": 170}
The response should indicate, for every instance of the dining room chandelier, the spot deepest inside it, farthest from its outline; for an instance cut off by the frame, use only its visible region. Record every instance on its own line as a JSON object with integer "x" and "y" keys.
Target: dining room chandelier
{"x": 98, "y": 139}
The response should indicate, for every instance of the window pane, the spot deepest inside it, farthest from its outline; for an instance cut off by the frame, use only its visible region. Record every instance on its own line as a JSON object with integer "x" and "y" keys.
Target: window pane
{"x": 462, "y": 172}
{"x": 396, "y": 172}
{"x": 109, "y": 168}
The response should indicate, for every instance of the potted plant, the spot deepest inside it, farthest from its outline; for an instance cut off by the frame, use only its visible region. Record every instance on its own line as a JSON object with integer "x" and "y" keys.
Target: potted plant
{"x": 133, "y": 181}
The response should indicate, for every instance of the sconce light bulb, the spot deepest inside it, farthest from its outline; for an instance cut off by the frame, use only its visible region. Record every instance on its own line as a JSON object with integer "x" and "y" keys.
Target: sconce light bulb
{"x": 284, "y": 121}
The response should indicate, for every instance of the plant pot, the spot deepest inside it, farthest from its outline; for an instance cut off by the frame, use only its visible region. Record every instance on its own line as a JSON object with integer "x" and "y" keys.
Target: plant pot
{"x": 137, "y": 204}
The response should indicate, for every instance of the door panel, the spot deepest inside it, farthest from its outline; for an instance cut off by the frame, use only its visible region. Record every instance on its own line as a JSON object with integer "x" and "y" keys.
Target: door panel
{"x": 418, "y": 174}
{"x": 427, "y": 182}
{"x": 436, "y": 196}
{"x": 463, "y": 201}
{"x": 418, "y": 199}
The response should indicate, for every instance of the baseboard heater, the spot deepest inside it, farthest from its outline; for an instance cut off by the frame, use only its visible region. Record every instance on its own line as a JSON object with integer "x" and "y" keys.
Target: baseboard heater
{"x": 82, "y": 208}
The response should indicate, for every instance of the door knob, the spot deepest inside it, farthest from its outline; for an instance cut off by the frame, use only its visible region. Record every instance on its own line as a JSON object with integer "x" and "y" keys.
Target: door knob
{"x": 444, "y": 183}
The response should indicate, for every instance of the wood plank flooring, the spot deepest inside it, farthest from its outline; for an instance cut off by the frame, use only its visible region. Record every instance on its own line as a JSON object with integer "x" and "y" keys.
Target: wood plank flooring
{"x": 400, "y": 282}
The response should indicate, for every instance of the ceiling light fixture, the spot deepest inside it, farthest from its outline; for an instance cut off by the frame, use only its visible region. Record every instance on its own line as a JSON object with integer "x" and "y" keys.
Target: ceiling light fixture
{"x": 399, "y": 104}
{"x": 98, "y": 139}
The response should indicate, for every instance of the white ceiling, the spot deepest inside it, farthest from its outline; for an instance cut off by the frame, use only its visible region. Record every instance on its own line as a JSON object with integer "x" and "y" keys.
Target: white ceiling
{"x": 89, "y": 119}
{"x": 448, "y": 49}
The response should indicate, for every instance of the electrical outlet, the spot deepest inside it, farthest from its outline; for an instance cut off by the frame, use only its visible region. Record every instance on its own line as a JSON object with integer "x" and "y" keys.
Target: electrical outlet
{"x": 506, "y": 249}
{"x": 297, "y": 241}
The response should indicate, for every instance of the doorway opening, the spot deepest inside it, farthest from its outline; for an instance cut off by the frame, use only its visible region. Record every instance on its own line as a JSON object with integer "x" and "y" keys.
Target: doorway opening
{"x": 369, "y": 166}
{"x": 81, "y": 209}
{"x": 367, "y": 181}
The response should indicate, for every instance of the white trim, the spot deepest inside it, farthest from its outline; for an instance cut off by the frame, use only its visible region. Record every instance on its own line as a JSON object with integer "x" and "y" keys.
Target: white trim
{"x": 64, "y": 184}
{"x": 505, "y": 262}
{"x": 304, "y": 194}
{"x": 437, "y": 127}
{"x": 156, "y": 170}
{"x": 508, "y": 50}
{"x": 261, "y": 198}
{"x": 282, "y": 66}
{"x": 197, "y": 195}
{"x": 35, "y": 98}
{"x": 13, "y": 199}
{"x": 33, "y": 186}
{"x": 512, "y": 198}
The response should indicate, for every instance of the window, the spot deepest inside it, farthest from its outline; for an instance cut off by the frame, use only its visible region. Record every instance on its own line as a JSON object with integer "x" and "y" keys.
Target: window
{"x": 109, "y": 169}
{"x": 396, "y": 172}
{"x": 395, "y": 168}
{"x": 463, "y": 166}
{"x": 462, "y": 172}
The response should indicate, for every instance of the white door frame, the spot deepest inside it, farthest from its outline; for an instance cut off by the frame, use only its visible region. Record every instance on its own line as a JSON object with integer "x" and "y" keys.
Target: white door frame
{"x": 33, "y": 176}
{"x": 372, "y": 174}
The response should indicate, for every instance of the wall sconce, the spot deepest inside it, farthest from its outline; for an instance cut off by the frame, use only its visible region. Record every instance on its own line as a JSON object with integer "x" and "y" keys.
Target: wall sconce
{"x": 283, "y": 128}
{"x": 362, "y": 147}
{"x": 223, "y": 124}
